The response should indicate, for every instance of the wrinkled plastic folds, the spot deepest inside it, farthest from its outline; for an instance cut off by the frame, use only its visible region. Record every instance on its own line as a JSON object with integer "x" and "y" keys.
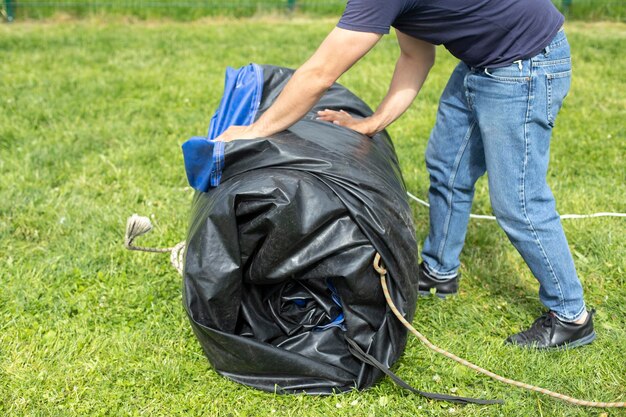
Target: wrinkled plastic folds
{"x": 278, "y": 267}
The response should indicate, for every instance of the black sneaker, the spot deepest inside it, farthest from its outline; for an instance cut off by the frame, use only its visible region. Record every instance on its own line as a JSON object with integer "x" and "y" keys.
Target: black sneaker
{"x": 443, "y": 288}
{"x": 548, "y": 332}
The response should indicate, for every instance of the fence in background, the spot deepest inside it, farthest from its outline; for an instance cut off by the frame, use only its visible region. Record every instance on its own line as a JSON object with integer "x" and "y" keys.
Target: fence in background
{"x": 193, "y": 9}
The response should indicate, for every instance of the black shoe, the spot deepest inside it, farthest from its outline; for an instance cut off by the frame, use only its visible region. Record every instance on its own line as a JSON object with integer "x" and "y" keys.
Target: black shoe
{"x": 443, "y": 288}
{"x": 548, "y": 332}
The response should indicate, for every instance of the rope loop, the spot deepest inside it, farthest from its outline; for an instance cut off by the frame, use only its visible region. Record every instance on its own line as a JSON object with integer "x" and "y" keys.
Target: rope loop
{"x": 383, "y": 281}
{"x": 377, "y": 265}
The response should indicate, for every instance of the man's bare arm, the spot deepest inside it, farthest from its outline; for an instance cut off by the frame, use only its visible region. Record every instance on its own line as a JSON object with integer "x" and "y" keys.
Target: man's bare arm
{"x": 415, "y": 61}
{"x": 339, "y": 51}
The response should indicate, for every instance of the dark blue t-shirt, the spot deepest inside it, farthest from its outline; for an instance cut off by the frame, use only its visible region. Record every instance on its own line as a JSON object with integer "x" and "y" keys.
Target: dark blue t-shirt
{"x": 481, "y": 33}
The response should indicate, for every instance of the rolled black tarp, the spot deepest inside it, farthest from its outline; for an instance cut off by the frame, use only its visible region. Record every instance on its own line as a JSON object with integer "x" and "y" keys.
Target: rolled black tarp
{"x": 278, "y": 272}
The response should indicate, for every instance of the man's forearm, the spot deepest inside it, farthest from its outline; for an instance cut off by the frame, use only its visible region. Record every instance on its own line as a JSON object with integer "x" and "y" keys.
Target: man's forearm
{"x": 303, "y": 90}
{"x": 339, "y": 51}
{"x": 408, "y": 78}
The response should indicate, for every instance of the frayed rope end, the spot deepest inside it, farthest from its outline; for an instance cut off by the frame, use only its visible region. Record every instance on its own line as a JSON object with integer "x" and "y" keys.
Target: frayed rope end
{"x": 136, "y": 226}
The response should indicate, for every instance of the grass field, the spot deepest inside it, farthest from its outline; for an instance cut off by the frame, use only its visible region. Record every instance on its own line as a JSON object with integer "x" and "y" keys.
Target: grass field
{"x": 193, "y": 9}
{"x": 176, "y": 10}
{"x": 92, "y": 116}
{"x": 593, "y": 9}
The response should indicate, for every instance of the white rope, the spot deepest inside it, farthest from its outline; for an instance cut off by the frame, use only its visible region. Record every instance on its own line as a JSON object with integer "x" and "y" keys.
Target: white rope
{"x": 176, "y": 258}
{"x": 563, "y": 216}
{"x": 139, "y": 225}
{"x": 383, "y": 273}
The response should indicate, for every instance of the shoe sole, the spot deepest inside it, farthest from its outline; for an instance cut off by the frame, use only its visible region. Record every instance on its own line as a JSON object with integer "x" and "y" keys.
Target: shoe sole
{"x": 438, "y": 294}
{"x": 576, "y": 343}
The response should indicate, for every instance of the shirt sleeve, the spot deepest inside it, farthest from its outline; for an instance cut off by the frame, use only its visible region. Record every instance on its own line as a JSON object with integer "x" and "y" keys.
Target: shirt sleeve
{"x": 374, "y": 16}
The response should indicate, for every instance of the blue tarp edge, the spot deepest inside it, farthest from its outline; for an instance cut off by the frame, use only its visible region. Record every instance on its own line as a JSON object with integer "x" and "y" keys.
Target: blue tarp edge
{"x": 203, "y": 156}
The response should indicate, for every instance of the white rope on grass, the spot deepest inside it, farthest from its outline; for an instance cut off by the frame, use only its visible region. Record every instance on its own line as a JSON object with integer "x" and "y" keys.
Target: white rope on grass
{"x": 380, "y": 269}
{"x": 139, "y": 225}
{"x": 563, "y": 216}
{"x": 136, "y": 226}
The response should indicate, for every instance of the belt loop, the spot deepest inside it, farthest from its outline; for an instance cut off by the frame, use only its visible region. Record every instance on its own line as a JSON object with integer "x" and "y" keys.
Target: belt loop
{"x": 546, "y": 50}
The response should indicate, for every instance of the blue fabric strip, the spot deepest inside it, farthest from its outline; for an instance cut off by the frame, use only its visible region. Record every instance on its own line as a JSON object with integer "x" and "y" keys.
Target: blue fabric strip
{"x": 338, "y": 321}
{"x": 204, "y": 157}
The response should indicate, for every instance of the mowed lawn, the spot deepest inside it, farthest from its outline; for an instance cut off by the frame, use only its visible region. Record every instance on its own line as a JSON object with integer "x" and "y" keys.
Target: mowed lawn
{"x": 614, "y": 10}
{"x": 92, "y": 116}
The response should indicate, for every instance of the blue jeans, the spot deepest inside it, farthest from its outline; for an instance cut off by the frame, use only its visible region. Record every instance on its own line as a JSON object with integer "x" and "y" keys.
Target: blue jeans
{"x": 499, "y": 120}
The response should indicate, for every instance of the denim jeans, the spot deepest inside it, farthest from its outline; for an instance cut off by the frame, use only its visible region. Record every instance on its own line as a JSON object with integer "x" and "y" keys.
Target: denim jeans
{"x": 499, "y": 120}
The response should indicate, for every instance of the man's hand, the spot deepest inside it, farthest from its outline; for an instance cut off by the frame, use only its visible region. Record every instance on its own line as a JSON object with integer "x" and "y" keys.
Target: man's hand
{"x": 365, "y": 126}
{"x": 239, "y": 132}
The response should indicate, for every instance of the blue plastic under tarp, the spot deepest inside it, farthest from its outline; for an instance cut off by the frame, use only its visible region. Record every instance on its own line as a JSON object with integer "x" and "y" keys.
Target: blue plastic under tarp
{"x": 204, "y": 157}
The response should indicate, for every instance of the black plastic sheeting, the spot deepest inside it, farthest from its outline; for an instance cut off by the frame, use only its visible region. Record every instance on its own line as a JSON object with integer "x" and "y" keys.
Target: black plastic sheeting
{"x": 278, "y": 268}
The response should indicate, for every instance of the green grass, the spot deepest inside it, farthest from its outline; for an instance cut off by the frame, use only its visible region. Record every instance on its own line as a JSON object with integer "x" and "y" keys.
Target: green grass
{"x": 194, "y": 9}
{"x": 178, "y": 10}
{"x": 593, "y": 9}
{"x": 92, "y": 116}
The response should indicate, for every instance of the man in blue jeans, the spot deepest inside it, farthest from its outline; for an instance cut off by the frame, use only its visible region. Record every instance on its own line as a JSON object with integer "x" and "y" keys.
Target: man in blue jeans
{"x": 495, "y": 115}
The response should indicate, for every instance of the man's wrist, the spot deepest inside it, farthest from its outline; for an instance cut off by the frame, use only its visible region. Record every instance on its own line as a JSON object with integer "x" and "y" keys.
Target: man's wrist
{"x": 260, "y": 130}
{"x": 255, "y": 130}
{"x": 374, "y": 125}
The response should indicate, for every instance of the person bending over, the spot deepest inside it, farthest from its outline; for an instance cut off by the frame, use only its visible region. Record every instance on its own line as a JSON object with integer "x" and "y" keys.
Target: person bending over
{"x": 495, "y": 115}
